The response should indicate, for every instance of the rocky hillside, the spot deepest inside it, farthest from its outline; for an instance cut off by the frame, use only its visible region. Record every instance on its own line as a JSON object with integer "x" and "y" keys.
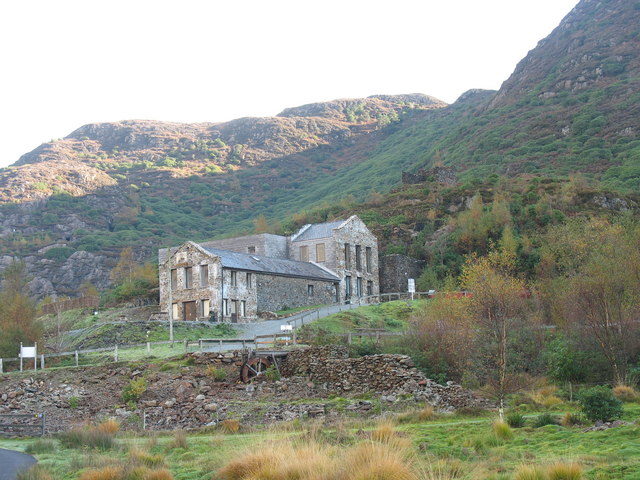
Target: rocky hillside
{"x": 71, "y": 205}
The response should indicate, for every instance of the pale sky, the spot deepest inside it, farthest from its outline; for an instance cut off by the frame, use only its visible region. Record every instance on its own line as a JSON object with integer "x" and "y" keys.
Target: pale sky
{"x": 66, "y": 63}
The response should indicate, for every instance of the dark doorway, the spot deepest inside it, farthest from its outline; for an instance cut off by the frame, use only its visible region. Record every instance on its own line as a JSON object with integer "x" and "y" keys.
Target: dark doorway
{"x": 189, "y": 311}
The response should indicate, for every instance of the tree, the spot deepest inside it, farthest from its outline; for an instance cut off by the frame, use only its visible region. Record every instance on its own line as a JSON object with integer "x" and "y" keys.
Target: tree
{"x": 260, "y": 224}
{"x": 18, "y": 312}
{"x": 497, "y": 307}
{"x": 124, "y": 268}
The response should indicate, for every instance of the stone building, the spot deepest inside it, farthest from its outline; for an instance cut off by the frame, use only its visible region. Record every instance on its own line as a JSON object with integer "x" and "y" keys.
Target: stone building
{"x": 236, "y": 279}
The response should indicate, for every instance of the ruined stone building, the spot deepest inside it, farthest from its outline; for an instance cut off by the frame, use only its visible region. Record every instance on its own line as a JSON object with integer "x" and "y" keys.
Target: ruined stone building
{"x": 237, "y": 279}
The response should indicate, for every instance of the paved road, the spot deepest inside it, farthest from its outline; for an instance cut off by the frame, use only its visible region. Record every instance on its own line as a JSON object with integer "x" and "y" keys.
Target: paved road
{"x": 270, "y": 327}
{"x": 12, "y": 462}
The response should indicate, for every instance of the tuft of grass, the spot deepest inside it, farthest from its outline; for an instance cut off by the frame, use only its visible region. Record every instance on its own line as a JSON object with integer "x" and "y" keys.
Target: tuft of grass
{"x": 230, "y": 426}
{"x": 626, "y": 393}
{"x": 572, "y": 419}
{"x": 142, "y": 457}
{"x": 565, "y": 471}
{"x": 179, "y": 440}
{"x": 502, "y": 430}
{"x": 530, "y": 472}
{"x": 104, "y": 473}
{"x": 87, "y": 437}
{"x": 36, "y": 472}
{"x": 515, "y": 420}
{"x": 545, "y": 419}
{"x": 42, "y": 445}
{"x": 110, "y": 426}
{"x": 427, "y": 413}
{"x": 218, "y": 374}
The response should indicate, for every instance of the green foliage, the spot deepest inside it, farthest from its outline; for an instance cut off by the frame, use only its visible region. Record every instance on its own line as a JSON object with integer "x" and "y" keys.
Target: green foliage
{"x": 515, "y": 420}
{"x": 74, "y": 402}
{"x": 134, "y": 390}
{"x": 545, "y": 419}
{"x": 272, "y": 373}
{"x": 599, "y": 403}
{"x": 59, "y": 254}
{"x": 40, "y": 446}
{"x": 87, "y": 437}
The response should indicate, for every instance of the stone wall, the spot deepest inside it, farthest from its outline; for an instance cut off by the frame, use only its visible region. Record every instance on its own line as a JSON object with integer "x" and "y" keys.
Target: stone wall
{"x": 380, "y": 374}
{"x": 396, "y": 269}
{"x": 277, "y": 292}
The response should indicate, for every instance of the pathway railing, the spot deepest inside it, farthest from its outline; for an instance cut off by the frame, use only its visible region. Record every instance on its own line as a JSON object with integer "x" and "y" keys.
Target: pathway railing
{"x": 22, "y": 424}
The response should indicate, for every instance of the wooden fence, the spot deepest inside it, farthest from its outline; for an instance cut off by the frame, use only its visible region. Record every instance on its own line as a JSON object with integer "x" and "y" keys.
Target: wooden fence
{"x": 22, "y": 424}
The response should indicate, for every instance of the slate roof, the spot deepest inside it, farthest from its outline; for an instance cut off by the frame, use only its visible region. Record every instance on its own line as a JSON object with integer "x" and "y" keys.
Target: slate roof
{"x": 275, "y": 266}
{"x": 317, "y": 230}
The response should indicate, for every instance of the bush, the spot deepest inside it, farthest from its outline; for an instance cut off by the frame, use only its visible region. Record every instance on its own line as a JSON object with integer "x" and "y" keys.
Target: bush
{"x": 545, "y": 419}
{"x": 502, "y": 430}
{"x": 34, "y": 473}
{"x": 179, "y": 440}
{"x": 142, "y": 457}
{"x": 42, "y": 445}
{"x": 626, "y": 394}
{"x": 427, "y": 413}
{"x": 218, "y": 374}
{"x": 111, "y": 426}
{"x": 565, "y": 471}
{"x": 515, "y": 420}
{"x": 230, "y": 426}
{"x": 134, "y": 390}
{"x": 598, "y": 403}
{"x": 572, "y": 419}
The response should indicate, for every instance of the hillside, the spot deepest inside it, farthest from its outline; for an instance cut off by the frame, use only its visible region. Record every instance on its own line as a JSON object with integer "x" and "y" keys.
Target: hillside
{"x": 571, "y": 105}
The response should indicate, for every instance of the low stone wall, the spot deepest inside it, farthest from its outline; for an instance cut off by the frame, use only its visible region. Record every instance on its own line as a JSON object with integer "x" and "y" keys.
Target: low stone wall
{"x": 385, "y": 374}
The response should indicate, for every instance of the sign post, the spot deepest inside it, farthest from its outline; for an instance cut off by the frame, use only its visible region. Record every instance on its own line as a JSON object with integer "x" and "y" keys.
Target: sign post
{"x": 412, "y": 287}
{"x": 29, "y": 352}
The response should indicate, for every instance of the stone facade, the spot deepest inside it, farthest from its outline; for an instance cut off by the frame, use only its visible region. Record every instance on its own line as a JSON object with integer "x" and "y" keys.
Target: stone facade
{"x": 237, "y": 279}
{"x": 396, "y": 270}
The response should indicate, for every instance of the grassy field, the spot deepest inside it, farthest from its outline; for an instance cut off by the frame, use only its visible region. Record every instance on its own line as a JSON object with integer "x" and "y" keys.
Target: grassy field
{"x": 456, "y": 446}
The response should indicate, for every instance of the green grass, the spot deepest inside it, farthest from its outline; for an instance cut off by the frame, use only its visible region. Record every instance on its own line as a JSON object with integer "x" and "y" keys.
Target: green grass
{"x": 390, "y": 316}
{"x": 604, "y": 455}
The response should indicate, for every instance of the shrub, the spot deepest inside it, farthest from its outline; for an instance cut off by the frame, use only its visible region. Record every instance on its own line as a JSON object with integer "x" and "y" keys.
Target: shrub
{"x": 161, "y": 474}
{"x": 598, "y": 403}
{"x": 472, "y": 411}
{"x": 545, "y": 419}
{"x": 502, "y": 430}
{"x": 87, "y": 437}
{"x": 565, "y": 471}
{"x": 134, "y": 390}
{"x": 42, "y": 445}
{"x": 515, "y": 420}
{"x": 626, "y": 394}
{"x": 218, "y": 374}
{"x": 74, "y": 402}
{"x": 427, "y": 413}
{"x": 272, "y": 373}
{"x": 142, "y": 457}
{"x": 530, "y": 472}
{"x": 105, "y": 473}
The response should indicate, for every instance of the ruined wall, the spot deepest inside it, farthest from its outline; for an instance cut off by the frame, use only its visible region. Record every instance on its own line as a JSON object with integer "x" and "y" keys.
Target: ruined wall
{"x": 269, "y": 245}
{"x": 396, "y": 269}
{"x": 277, "y": 293}
{"x": 381, "y": 374}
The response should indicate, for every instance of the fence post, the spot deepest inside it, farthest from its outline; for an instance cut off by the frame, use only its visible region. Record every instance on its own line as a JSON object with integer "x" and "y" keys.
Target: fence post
{"x": 148, "y": 347}
{"x": 115, "y": 353}
{"x": 42, "y": 361}
{"x": 200, "y": 344}
{"x": 220, "y": 343}
{"x": 349, "y": 339}
{"x": 76, "y": 355}
{"x": 1, "y": 368}
{"x": 186, "y": 345}
{"x": 294, "y": 337}
{"x": 43, "y": 423}
{"x": 20, "y": 355}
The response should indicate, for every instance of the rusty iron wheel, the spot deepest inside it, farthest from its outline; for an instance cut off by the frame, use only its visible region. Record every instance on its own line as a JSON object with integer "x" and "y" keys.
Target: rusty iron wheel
{"x": 254, "y": 367}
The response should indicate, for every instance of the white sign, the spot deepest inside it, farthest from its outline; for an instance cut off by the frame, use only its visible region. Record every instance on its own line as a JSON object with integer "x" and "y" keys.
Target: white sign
{"x": 28, "y": 352}
{"x": 286, "y": 328}
{"x": 412, "y": 285}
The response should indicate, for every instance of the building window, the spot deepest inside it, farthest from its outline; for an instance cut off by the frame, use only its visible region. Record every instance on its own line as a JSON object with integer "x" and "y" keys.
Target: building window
{"x": 251, "y": 249}
{"x": 174, "y": 279}
{"x": 174, "y": 311}
{"x": 367, "y": 259}
{"x": 347, "y": 256}
{"x": 234, "y": 278}
{"x": 359, "y": 286}
{"x": 249, "y": 280}
{"x": 204, "y": 308}
{"x": 358, "y": 257}
{"x": 304, "y": 253}
{"x": 204, "y": 275}
{"x": 310, "y": 290}
{"x": 225, "y": 307}
{"x": 188, "y": 277}
{"x": 243, "y": 308}
{"x": 320, "y": 254}
{"x": 336, "y": 292}
{"x": 369, "y": 287}
{"x": 234, "y": 310}
{"x": 347, "y": 286}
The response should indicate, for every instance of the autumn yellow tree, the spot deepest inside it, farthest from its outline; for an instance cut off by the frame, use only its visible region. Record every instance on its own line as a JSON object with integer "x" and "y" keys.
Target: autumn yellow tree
{"x": 125, "y": 266}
